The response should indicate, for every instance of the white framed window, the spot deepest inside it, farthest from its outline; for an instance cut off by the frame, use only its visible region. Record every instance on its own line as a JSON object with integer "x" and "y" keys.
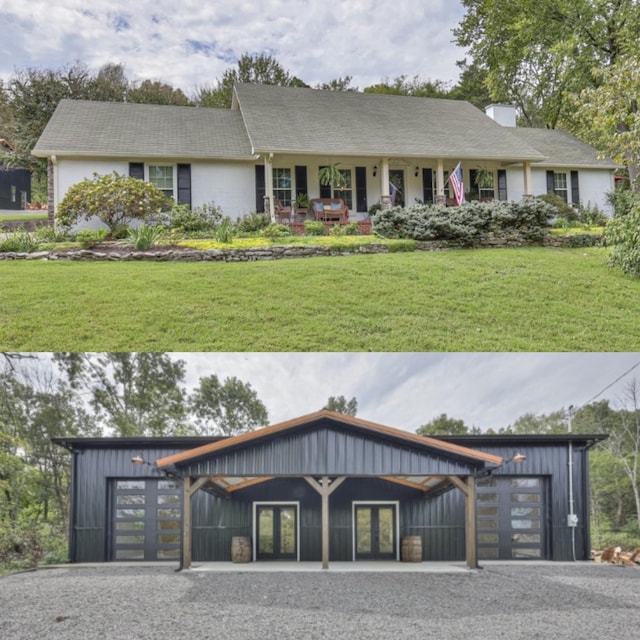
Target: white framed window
{"x": 487, "y": 186}
{"x": 560, "y": 185}
{"x": 162, "y": 176}
{"x": 347, "y": 193}
{"x": 282, "y": 185}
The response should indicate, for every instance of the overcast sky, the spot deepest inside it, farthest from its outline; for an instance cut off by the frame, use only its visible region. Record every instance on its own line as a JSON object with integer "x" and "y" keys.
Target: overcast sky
{"x": 406, "y": 390}
{"x": 191, "y": 43}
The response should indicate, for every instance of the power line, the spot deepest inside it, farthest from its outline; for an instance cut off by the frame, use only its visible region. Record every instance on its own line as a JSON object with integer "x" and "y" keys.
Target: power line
{"x": 628, "y": 371}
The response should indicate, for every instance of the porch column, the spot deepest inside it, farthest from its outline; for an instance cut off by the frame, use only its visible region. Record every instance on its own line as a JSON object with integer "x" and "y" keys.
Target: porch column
{"x": 268, "y": 186}
{"x": 325, "y": 489}
{"x": 385, "y": 196}
{"x": 470, "y": 523}
{"x": 189, "y": 488}
{"x": 186, "y": 523}
{"x": 527, "y": 179}
{"x": 440, "y": 197}
{"x": 468, "y": 488}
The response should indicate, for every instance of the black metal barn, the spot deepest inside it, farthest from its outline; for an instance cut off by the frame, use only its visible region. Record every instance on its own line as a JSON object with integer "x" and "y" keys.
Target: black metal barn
{"x": 381, "y": 486}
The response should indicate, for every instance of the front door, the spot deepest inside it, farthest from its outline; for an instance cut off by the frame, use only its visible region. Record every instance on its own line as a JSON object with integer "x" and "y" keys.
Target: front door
{"x": 375, "y": 526}
{"x": 277, "y": 532}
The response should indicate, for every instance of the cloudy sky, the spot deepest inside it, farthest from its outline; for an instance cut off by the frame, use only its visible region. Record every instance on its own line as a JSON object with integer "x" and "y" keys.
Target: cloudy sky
{"x": 406, "y": 390}
{"x": 190, "y": 43}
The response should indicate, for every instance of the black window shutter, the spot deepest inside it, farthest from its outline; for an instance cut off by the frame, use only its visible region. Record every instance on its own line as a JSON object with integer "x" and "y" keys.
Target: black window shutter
{"x": 502, "y": 184}
{"x": 575, "y": 188}
{"x": 184, "y": 184}
{"x": 325, "y": 190}
{"x": 427, "y": 186}
{"x": 361, "y": 189}
{"x": 136, "y": 170}
{"x": 301, "y": 180}
{"x": 260, "y": 188}
{"x": 550, "y": 182}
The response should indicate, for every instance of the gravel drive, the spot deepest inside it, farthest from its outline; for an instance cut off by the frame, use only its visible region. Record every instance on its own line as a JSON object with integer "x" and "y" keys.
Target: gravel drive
{"x": 551, "y": 601}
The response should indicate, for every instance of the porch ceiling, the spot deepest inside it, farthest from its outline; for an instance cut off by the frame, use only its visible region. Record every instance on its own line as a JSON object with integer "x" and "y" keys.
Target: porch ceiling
{"x": 226, "y": 486}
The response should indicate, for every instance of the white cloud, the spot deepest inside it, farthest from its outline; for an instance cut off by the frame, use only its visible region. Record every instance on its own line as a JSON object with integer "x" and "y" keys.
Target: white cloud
{"x": 191, "y": 44}
{"x": 407, "y": 390}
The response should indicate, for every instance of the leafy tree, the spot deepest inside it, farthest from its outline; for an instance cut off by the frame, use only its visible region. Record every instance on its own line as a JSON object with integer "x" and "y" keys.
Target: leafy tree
{"x": 530, "y": 423}
{"x": 337, "y": 84}
{"x": 404, "y": 86}
{"x": 115, "y": 199}
{"x": 252, "y": 69}
{"x": 472, "y": 85}
{"x": 6, "y": 113}
{"x": 340, "y": 404}
{"x": 608, "y": 113}
{"x": 109, "y": 85}
{"x": 226, "y": 408}
{"x": 149, "y": 92}
{"x": 443, "y": 425}
{"x": 132, "y": 394}
{"x": 539, "y": 53}
{"x": 34, "y": 95}
{"x": 622, "y": 234}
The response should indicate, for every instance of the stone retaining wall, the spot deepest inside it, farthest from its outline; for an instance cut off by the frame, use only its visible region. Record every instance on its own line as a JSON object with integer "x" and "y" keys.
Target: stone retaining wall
{"x": 275, "y": 252}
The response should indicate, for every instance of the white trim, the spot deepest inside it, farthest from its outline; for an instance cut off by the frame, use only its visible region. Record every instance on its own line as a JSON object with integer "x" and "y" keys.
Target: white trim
{"x": 280, "y": 503}
{"x": 395, "y": 503}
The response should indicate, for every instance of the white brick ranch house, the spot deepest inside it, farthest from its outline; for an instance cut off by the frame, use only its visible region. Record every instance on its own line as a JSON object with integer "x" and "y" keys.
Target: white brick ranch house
{"x": 272, "y": 142}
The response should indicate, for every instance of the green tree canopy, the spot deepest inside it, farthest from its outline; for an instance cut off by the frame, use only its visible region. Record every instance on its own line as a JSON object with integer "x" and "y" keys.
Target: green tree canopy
{"x": 405, "y": 86}
{"x": 253, "y": 69}
{"x": 443, "y": 425}
{"x": 226, "y": 408}
{"x": 340, "y": 404}
{"x": 539, "y": 53}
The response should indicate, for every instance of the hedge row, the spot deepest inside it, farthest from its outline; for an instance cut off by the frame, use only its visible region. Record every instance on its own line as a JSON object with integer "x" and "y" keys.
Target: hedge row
{"x": 468, "y": 224}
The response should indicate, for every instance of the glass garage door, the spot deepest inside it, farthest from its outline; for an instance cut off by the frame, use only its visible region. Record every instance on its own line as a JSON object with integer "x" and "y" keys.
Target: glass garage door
{"x": 511, "y": 518}
{"x": 146, "y": 520}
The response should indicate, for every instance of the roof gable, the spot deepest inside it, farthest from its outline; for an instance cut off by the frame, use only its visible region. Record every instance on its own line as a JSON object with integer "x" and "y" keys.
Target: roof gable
{"x": 326, "y": 442}
{"x": 563, "y": 149}
{"x": 301, "y": 120}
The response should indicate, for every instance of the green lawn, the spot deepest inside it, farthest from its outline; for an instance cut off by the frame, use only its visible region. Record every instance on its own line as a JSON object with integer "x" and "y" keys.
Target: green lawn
{"x": 35, "y": 215}
{"x": 532, "y": 299}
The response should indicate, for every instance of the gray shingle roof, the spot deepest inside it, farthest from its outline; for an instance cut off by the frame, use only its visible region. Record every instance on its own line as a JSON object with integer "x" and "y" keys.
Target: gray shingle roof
{"x": 563, "y": 150}
{"x": 81, "y": 127}
{"x": 292, "y": 119}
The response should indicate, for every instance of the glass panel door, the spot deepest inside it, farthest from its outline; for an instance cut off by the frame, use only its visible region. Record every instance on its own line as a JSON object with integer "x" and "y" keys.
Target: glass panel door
{"x": 375, "y": 532}
{"x": 277, "y": 532}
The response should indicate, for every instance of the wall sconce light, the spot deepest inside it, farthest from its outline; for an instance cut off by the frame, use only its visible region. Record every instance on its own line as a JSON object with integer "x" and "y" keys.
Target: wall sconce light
{"x": 518, "y": 457}
{"x": 141, "y": 460}
{"x": 375, "y": 171}
{"x": 417, "y": 173}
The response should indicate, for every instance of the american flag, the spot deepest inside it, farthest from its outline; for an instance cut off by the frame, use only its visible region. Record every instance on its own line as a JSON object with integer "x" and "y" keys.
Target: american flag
{"x": 455, "y": 179}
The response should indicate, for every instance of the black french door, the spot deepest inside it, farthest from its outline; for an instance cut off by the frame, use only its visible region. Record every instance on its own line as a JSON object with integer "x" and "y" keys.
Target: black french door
{"x": 375, "y": 531}
{"x": 277, "y": 532}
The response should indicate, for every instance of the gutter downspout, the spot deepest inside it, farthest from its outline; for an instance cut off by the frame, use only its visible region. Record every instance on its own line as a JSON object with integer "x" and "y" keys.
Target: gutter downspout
{"x": 572, "y": 518}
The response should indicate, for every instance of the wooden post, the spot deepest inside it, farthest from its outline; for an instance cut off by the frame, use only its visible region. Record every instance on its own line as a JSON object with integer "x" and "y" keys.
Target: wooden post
{"x": 186, "y": 522}
{"x": 470, "y": 523}
{"x": 325, "y": 489}
{"x": 325, "y": 522}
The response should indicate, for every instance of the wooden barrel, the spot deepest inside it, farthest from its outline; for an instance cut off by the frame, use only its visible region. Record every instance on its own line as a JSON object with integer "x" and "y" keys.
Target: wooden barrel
{"x": 411, "y": 549}
{"x": 240, "y": 549}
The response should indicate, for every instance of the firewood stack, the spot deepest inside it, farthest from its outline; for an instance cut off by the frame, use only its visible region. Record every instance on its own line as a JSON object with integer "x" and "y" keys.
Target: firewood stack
{"x": 615, "y": 555}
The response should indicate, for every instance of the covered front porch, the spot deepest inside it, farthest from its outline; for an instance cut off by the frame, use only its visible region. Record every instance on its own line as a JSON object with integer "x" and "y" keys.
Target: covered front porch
{"x": 328, "y": 488}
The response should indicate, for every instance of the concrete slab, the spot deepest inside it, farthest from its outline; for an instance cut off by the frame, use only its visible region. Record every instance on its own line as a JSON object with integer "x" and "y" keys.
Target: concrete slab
{"x": 334, "y": 567}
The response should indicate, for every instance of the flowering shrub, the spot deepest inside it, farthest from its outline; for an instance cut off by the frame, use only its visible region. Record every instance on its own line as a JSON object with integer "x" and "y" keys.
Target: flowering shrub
{"x": 114, "y": 198}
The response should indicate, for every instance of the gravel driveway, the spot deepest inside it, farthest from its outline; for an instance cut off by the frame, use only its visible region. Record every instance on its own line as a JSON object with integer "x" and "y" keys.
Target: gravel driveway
{"x": 552, "y": 602}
